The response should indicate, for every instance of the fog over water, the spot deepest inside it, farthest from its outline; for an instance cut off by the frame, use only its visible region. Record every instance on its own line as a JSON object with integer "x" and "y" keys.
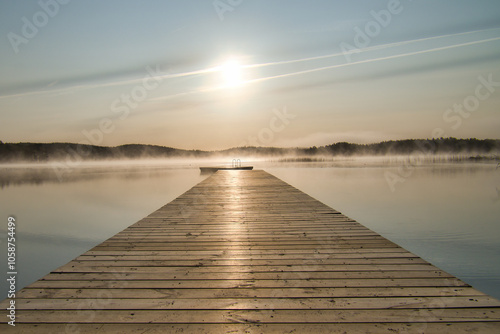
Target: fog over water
{"x": 445, "y": 212}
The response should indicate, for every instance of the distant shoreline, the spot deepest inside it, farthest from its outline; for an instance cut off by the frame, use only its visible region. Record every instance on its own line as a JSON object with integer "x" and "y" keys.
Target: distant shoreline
{"x": 472, "y": 149}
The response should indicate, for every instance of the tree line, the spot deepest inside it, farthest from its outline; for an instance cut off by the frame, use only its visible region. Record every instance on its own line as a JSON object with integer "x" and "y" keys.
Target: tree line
{"x": 40, "y": 152}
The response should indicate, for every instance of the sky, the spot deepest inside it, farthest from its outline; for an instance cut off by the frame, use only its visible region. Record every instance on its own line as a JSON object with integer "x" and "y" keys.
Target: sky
{"x": 217, "y": 74}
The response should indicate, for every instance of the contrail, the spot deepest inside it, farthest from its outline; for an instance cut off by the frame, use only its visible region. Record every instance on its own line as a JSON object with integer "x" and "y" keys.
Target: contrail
{"x": 74, "y": 88}
{"x": 333, "y": 55}
{"x": 370, "y": 48}
{"x": 371, "y": 60}
{"x": 318, "y": 69}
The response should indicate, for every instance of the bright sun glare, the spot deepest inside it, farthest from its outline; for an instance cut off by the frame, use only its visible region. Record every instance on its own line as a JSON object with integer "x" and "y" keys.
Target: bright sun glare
{"x": 231, "y": 71}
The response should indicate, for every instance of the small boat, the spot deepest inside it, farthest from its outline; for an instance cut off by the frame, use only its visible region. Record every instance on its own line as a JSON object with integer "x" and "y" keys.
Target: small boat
{"x": 236, "y": 165}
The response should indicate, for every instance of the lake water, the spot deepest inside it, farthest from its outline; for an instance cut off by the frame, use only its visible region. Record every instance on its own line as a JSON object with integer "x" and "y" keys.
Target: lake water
{"x": 447, "y": 213}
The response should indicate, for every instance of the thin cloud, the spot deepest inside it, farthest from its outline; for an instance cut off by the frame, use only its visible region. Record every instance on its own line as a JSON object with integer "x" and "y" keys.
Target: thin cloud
{"x": 324, "y": 68}
{"x": 373, "y": 60}
{"x": 75, "y": 88}
{"x": 367, "y": 49}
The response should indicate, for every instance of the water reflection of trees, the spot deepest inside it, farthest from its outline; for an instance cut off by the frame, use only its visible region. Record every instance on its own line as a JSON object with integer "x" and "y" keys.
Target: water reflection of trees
{"x": 11, "y": 176}
{"x": 38, "y": 176}
{"x": 496, "y": 198}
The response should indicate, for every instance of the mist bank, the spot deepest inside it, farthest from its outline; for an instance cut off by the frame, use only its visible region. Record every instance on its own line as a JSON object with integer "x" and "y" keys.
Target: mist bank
{"x": 44, "y": 152}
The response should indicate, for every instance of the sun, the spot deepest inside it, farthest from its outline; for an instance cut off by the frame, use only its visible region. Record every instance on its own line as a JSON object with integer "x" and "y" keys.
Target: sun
{"x": 232, "y": 73}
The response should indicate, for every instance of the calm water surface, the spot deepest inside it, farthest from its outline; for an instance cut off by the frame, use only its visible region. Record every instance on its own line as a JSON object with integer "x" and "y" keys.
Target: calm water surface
{"x": 446, "y": 213}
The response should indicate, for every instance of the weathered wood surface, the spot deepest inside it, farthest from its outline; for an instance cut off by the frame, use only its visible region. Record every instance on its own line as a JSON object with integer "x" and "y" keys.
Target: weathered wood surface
{"x": 244, "y": 252}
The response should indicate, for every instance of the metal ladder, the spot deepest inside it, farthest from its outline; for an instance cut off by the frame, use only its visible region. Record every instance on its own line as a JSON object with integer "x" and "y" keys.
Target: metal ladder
{"x": 236, "y": 163}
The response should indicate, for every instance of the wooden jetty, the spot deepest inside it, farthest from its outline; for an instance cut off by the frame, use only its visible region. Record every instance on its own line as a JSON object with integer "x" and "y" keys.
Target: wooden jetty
{"x": 207, "y": 170}
{"x": 244, "y": 252}
{"x": 235, "y": 165}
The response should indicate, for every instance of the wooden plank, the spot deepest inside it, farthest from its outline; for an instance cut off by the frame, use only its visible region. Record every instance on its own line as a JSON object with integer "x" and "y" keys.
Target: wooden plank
{"x": 278, "y": 247}
{"x": 250, "y": 262}
{"x": 251, "y": 283}
{"x": 68, "y": 276}
{"x": 335, "y": 328}
{"x": 203, "y": 253}
{"x": 187, "y": 257}
{"x": 253, "y": 303}
{"x": 442, "y": 315}
{"x": 123, "y": 292}
{"x": 87, "y": 268}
